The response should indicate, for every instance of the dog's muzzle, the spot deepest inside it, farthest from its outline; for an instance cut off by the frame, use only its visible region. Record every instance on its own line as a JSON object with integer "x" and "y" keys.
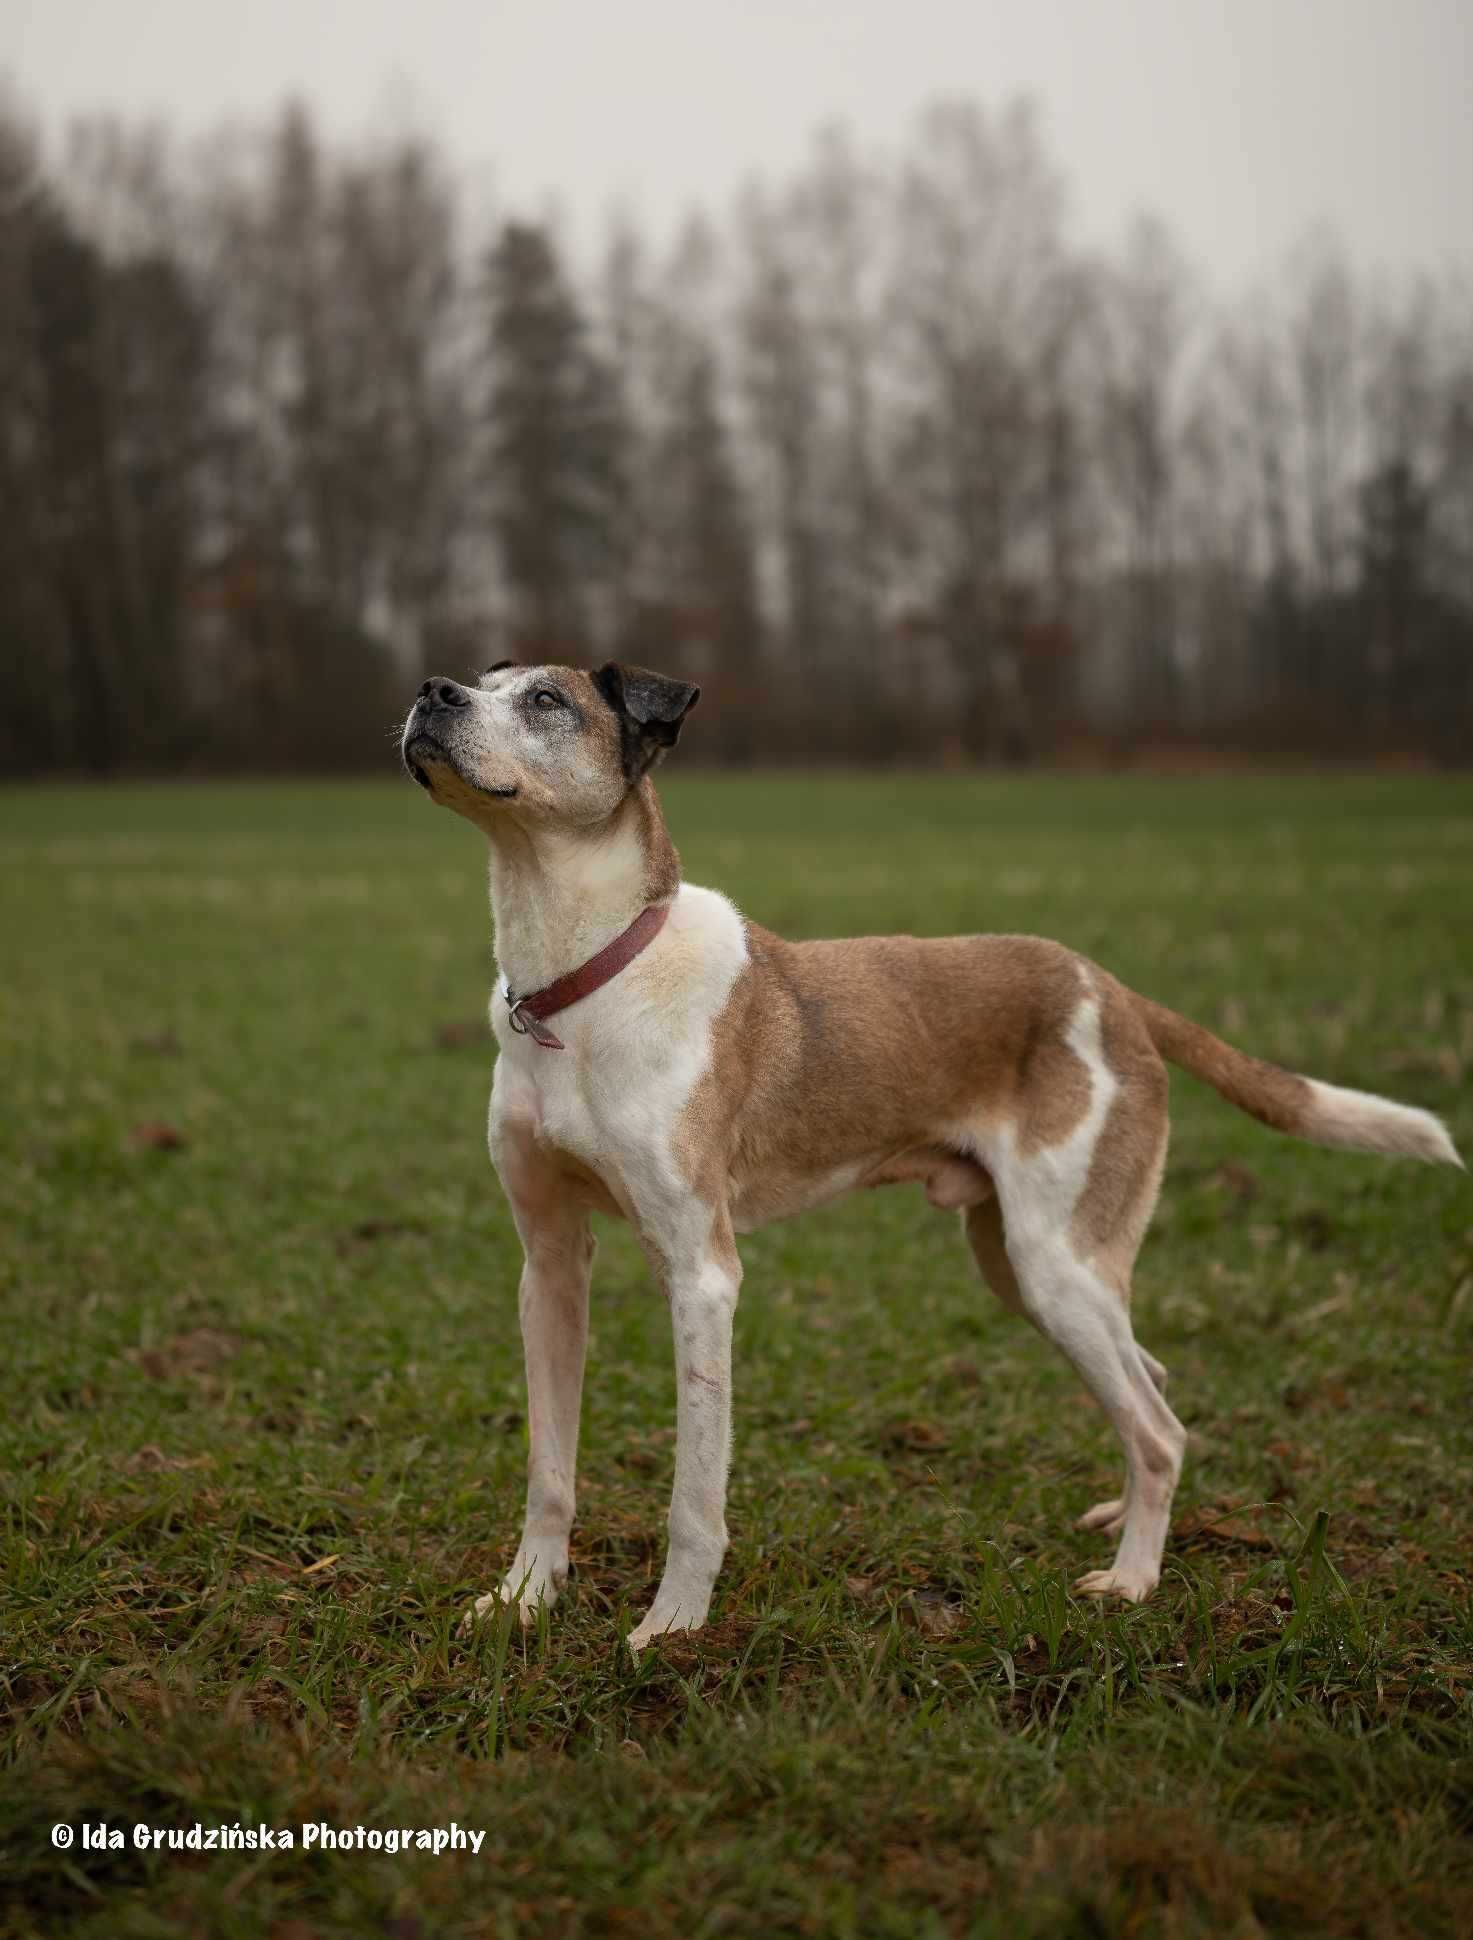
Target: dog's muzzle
{"x": 438, "y": 694}
{"x": 434, "y": 708}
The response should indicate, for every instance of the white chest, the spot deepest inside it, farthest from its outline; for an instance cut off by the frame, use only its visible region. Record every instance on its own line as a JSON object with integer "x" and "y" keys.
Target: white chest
{"x": 634, "y": 1051}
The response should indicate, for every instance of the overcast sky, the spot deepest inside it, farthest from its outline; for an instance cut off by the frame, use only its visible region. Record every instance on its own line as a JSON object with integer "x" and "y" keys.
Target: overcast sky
{"x": 1243, "y": 122}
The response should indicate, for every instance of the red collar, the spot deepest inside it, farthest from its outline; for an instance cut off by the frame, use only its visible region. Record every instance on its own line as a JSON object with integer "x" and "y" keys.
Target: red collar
{"x": 526, "y": 1013}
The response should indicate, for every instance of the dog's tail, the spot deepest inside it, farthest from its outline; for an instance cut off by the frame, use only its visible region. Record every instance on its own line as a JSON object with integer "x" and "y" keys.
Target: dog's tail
{"x": 1304, "y": 1107}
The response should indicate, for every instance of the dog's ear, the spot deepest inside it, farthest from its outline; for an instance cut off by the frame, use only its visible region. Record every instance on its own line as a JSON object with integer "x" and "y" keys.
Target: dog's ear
{"x": 651, "y": 710}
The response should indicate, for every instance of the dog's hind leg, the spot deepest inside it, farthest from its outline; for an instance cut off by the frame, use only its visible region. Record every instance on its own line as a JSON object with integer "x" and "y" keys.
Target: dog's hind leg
{"x": 1074, "y": 1212}
{"x": 1109, "y": 1517}
{"x": 984, "y": 1229}
{"x": 1086, "y": 1319}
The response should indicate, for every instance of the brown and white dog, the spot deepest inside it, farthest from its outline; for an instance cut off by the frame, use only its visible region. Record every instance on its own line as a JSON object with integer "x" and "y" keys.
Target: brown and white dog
{"x": 724, "y": 1077}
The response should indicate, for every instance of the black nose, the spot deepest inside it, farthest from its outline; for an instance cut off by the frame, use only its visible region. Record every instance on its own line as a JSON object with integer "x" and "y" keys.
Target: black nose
{"x": 439, "y": 692}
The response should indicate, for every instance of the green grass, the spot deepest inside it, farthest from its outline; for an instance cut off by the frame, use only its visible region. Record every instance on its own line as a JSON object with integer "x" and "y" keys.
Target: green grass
{"x": 264, "y": 1436}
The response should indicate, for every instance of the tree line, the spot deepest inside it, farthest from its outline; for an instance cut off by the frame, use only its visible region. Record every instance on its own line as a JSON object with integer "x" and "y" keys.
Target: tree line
{"x": 883, "y": 458}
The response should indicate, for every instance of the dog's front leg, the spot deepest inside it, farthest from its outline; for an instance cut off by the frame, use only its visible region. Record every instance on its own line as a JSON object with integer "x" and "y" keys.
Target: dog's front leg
{"x": 703, "y": 1295}
{"x": 553, "y": 1303}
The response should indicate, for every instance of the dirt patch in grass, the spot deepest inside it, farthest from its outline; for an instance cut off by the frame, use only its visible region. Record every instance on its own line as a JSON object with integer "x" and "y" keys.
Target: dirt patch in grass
{"x": 200, "y": 1350}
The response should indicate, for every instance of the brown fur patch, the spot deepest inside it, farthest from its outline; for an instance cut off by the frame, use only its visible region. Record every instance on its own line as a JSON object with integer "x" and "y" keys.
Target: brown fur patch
{"x": 861, "y": 1054}
{"x": 1125, "y": 1168}
{"x": 951, "y": 1182}
{"x": 984, "y": 1230}
{"x": 1265, "y": 1091}
{"x": 661, "y": 862}
{"x": 640, "y": 808}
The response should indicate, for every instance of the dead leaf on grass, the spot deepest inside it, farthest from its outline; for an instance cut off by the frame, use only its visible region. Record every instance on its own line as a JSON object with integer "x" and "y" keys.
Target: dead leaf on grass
{"x": 1243, "y": 1185}
{"x": 923, "y": 1435}
{"x": 157, "y": 1044}
{"x": 368, "y": 1230}
{"x": 156, "y": 1135}
{"x": 1327, "y": 1394}
{"x": 1315, "y": 1227}
{"x": 1221, "y": 1526}
{"x": 151, "y": 1460}
{"x": 935, "y": 1613}
{"x": 195, "y": 1352}
{"x": 961, "y": 1371}
{"x": 461, "y": 1033}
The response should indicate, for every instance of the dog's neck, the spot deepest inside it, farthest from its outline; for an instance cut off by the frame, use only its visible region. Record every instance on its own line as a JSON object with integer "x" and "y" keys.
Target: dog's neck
{"x": 558, "y": 895}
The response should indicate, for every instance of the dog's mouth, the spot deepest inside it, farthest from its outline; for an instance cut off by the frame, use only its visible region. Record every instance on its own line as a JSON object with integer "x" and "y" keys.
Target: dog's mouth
{"x": 436, "y": 751}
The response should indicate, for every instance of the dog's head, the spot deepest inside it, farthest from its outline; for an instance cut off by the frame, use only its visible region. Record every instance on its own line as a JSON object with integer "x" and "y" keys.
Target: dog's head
{"x": 544, "y": 744}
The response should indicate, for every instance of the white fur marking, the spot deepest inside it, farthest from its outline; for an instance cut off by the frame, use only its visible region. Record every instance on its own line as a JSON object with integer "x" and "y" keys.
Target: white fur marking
{"x": 1067, "y": 1300}
{"x": 1056, "y": 1175}
{"x": 1366, "y": 1123}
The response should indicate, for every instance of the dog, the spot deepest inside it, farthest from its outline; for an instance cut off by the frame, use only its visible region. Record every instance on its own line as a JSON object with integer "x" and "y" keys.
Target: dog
{"x": 666, "y": 1061}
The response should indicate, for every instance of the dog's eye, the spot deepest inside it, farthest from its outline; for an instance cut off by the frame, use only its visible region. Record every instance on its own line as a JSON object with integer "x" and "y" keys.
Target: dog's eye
{"x": 545, "y": 697}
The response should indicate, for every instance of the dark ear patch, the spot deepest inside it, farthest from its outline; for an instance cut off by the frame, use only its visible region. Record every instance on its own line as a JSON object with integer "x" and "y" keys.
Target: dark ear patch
{"x": 651, "y": 710}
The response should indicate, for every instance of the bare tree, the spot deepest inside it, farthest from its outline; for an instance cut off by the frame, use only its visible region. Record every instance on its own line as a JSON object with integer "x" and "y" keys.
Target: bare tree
{"x": 979, "y": 271}
{"x": 778, "y": 363}
{"x": 1149, "y": 322}
{"x": 879, "y": 457}
{"x": 555, "y": 446}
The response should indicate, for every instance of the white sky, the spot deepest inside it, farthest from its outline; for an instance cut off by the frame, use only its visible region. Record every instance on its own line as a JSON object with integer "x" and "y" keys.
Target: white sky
{"x": 1243, "y": 122}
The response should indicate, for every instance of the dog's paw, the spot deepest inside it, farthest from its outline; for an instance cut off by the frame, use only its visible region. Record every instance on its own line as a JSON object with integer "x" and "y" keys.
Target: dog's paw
{"x": 667, "y": 1619}
{"x": 484, "y": 1606}
{"x": 526, "y": 1584}
{"x": 1129, "y": 1586}
{"x": 1109, "y": 1516}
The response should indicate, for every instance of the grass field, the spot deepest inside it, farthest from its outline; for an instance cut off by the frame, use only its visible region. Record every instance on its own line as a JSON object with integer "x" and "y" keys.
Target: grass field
{"x": 265, "y": 1438}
